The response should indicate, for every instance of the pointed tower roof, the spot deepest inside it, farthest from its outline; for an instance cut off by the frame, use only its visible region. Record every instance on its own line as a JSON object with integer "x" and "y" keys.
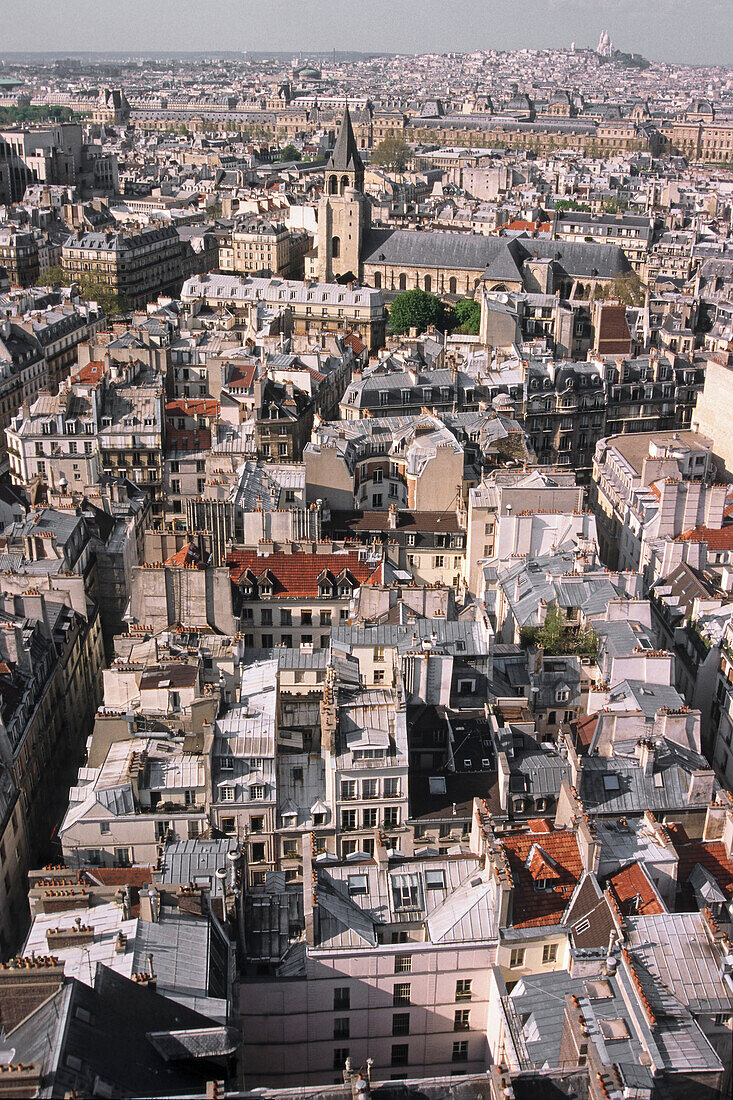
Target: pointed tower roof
{"x": 345, "y": 156}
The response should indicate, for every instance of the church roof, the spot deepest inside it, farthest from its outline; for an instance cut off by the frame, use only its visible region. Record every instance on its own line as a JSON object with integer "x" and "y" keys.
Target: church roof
{"x": 499, "y": 259}
{"x": 345, "y": 156}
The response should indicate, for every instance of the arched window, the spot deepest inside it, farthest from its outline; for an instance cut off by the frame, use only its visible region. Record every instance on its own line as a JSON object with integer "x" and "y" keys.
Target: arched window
{"x": 452, "y": 285}
{"x": 403, "y": 282}
{"x": 335, "y": 247}
{"x": 377, "y": 280}
{"x": 344, "y": 183}
{"x": 333, "y": 185}
{"x": 427, "y": 284}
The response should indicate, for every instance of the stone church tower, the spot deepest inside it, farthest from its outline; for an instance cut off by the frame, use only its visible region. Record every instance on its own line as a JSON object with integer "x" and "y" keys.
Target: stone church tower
{"x": 343, "y": 214}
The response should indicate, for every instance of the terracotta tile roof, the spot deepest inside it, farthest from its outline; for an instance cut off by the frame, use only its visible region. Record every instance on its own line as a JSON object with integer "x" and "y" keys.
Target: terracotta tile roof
{"x": 119, "y": 876}
{"x": 717, "y": 538}
{"x": 187, "y": 555}
{"x": 297, "y": 574}
{"x": 90, "y": 372}
{"x": 584, "y": 729}
{"x": 242, "y": 375}
{"x": 540, "y": 866}
{"x": 631, "y": 883}
{"x": 613, "y": 336}
{"x": 188, "y": 439}
{"x": 356, "y": 345}
{"x": 192, "y": 406}
{"x": 533, "y": 908}
{"x": 519, "y": 225}
{"x": 710, "y": 853}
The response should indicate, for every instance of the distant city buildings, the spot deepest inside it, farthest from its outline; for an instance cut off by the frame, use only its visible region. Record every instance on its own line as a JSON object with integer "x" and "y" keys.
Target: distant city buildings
{"x": 366, "y": 722}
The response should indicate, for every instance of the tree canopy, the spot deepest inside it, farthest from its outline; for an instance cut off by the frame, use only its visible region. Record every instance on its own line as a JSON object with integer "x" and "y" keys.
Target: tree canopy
{"x": 92, "y": 288}
{"x": 289, "y": 152}
{"x": 392, "y": 153}
{"x": 467, "y": 317}
{"x": 572, "y": 204}
{"x": 557, "y": 637}
{"x": 417, "y": 309}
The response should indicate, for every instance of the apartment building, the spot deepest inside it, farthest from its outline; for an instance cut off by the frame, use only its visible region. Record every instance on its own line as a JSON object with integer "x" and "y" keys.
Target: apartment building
{"x": 135, "y": 266}
{"x": 293, "y": 599}
{"x": 50, "y": 681}
{"x": 364, "y": 746}
{"x": 23, "y": 371}
{"x": 258, "y": 246}
{"x": 59, "y": 330}
{"x": 317, "y": 308}
{"x": 109, "y": 419}
{"x": 389, "y": 391}
{"x": 430, "y": 546}
{"x": 389, "y": 971}
{"x": 19, "y": 256}
{"x": 633, "y": 234}
{"x": 14, "y": 865}
{"x": 721, "y": 746}
{"x": 188, "y": 435}
{"x": 420, "y": 463}
{"x": 440, "y": 662}
{"x": 648, "y": 490}
{"x": 243, "y": 769}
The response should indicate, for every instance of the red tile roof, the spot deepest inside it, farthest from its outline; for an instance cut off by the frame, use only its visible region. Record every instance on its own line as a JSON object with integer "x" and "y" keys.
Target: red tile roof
{"x": 613, "y": 336}
{"x": 584, "y": 729}
{"x": 242, "y": 375}
{"x": 192, "y": 406}
{"x": 297, "y": 574}
{"x": 710, "y": 853}
{"x": 356, "y": 345}
{"x": 519, "y": 225}
{"x": 631, "y": 883}
{"x": 90, "y": 372}
{"x": 119, "y": 876}
{"x": 717, "y": 538}
{"x": 188, "y": 439}
{"x": 540, "y": 866}
{"x": 533, "y": 908}
{"x": 187, "y": 555}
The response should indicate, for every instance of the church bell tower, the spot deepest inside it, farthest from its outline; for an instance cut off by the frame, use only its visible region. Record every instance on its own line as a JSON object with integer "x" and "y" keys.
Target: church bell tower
{"x": 343, "y": 214}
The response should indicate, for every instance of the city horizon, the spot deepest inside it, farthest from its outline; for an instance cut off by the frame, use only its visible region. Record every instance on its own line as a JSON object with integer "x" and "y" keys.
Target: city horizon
{"x": 653, "y": 28}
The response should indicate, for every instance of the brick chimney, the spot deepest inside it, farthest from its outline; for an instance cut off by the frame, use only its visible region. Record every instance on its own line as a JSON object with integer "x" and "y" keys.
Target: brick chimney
{"x": 76, "y": 936}
{"x": 18, "y": 1079}
{"x": 645, "y": 755}
{"x": 25, "y": 983}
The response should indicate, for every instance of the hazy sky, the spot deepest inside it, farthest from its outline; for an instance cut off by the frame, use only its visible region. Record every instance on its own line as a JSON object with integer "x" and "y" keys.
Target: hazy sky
{"x": 696, "y": 31}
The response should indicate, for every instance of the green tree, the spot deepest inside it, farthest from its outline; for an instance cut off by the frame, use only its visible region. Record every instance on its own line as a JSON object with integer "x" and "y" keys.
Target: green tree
{"x": 417, "y": 309}
{"x": 392, "y": 153}
{"x": 556, "y": 637}
{"x": 56, "y": 276}
{"x": 614, "y": 206}
{"x": 572, "y": 204}
{"x": 289, "y": 152}
{"x": 629, "y": 289}
{"x": 468, "y": 317}
{"x": 92, "y": 288}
